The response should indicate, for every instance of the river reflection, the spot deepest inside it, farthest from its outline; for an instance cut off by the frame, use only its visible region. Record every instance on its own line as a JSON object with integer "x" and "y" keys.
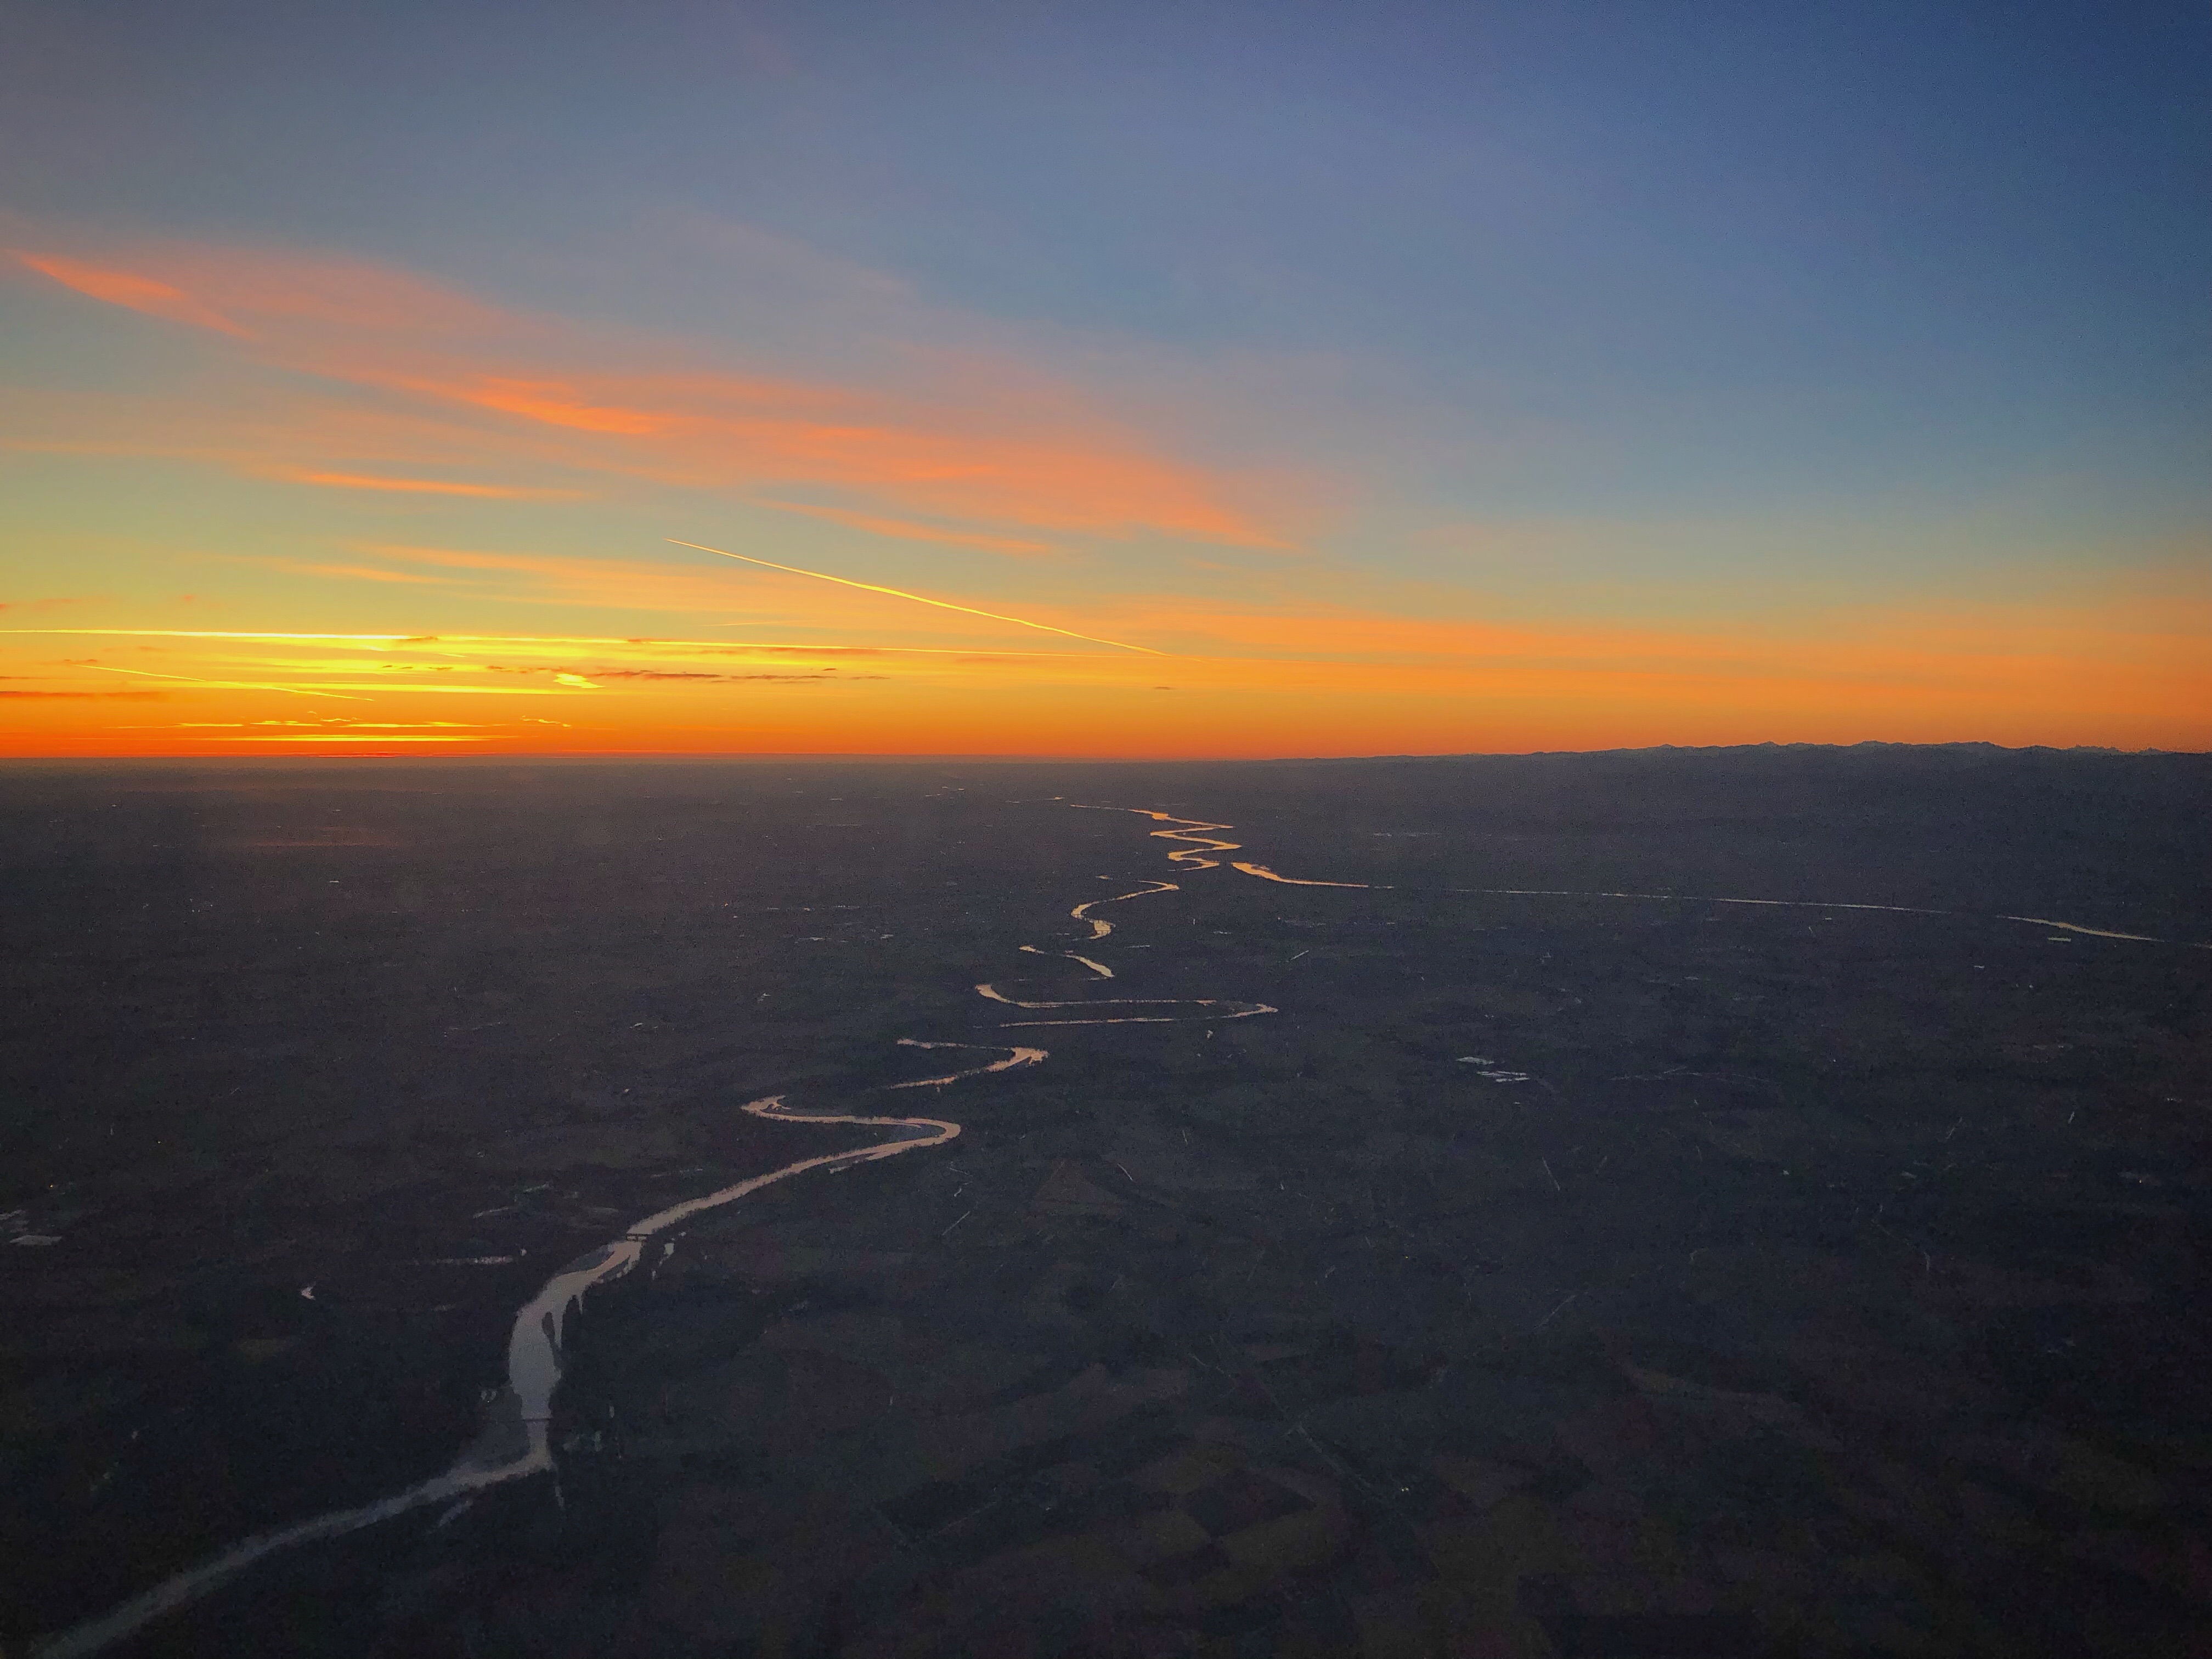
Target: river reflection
{"x": 514, "y": 1443}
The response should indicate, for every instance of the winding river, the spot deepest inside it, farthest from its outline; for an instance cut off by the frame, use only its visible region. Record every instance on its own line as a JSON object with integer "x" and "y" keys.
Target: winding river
{"x": 514, "y": 1442}
{"x": 1192, "y": 829}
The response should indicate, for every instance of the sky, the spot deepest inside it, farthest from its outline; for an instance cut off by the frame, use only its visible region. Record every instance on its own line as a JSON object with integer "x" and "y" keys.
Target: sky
{"x": 1084, "y": 379}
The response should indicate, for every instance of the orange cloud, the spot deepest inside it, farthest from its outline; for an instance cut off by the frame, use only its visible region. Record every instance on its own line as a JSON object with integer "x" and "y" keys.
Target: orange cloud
{"x": 759, "y": 594}
{"x": 464, "y": 559}
{"x": 905, "y": 529}
{"x": 344, "y": 572}
{"x": 693, "y": 430}
{"x": 541, "y": 390}
{"x": 132, "y": 291}
{"x": 1250, "y": 679}
{"x": 138, "y": 697}
{"x": 334, "y": 730}
{"x": 555, "y": 404}
{"x": 605, "y": 584}
{"x": 220, "y": 686}
{"x": 278, "y": 290}
{"x": 426, "y": 486}
{"x": 542, "y": 644}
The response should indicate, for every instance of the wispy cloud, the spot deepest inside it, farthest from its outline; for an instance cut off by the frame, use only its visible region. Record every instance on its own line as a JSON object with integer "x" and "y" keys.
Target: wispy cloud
{"x": 225, "y": 685}
{"x": 705, "y": 676}
{"x": 906, "y": 530}
{"x": 560, "y": 643}
{"x": 1257, "y": 678}
{"x": 428, "y": 487}
{"x": 141, "y": 696}
{"x": 133, "y": 292}
{"x": 358, "y": 573}
{"x": 600, "y": 584}
{"x": 506, "y": 388}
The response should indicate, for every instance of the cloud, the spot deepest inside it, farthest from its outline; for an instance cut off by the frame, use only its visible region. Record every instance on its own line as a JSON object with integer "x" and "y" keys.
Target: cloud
{"x": 334, "y": 723}
{"x": 562, "y": 645}
{"x": 760, "y": 593}
{"x": 135, "y": 696}
{"x": 228, "y": 685}
{"x": 590, "y": 676}
{"x": 132, "y": 291}
{"x": 1254, "y": 678}
{"x": 905, "y": 529}
{"x": 551, "y": 402}
{"x": 606, "y": 584}
{"x": 824, "y": 676}
{"x": 503, "y": 388}
{"x": 427, "y": 487}
{"x": 364, "y": 573}
{"x": 212, "y": 286}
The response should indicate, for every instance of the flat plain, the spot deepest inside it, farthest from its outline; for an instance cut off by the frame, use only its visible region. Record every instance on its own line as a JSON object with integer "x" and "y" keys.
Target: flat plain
{"x": 1575, "y": 1257}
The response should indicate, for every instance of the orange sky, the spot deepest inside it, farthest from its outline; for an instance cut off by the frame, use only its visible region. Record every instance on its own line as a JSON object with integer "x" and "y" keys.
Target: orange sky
{"x": 481, "y": 500}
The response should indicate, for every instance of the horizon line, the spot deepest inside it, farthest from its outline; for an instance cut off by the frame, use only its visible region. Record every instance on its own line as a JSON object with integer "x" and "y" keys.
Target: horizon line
{"x": 969, "y": 758}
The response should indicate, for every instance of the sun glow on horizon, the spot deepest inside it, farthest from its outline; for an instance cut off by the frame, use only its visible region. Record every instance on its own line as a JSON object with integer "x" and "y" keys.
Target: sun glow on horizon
{"x": 472, "y": 464}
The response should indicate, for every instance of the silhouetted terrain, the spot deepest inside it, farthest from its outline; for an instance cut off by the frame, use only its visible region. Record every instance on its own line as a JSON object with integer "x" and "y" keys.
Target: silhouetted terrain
{"x": 1601, "y": 1267}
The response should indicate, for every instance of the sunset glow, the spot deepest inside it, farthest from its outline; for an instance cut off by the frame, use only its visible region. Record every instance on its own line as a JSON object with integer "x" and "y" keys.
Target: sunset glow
{"x": 1194, "y": 474}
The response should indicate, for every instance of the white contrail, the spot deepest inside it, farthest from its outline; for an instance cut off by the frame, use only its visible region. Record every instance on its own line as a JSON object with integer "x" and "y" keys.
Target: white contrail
{"x": 901, "y": 593}
{"x": 228, "y": 685}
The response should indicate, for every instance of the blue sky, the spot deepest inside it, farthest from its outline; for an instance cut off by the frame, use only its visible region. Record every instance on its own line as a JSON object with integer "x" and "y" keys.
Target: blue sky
{"x": 1827, "y": 249}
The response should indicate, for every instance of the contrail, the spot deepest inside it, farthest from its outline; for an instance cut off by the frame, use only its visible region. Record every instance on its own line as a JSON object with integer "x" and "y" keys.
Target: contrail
{"x": 229, "y": 685}
{"x": 901, "y": 593}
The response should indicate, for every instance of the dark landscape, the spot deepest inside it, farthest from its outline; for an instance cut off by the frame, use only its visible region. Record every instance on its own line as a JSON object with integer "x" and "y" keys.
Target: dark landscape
{"x": 1493, "y": 1238}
